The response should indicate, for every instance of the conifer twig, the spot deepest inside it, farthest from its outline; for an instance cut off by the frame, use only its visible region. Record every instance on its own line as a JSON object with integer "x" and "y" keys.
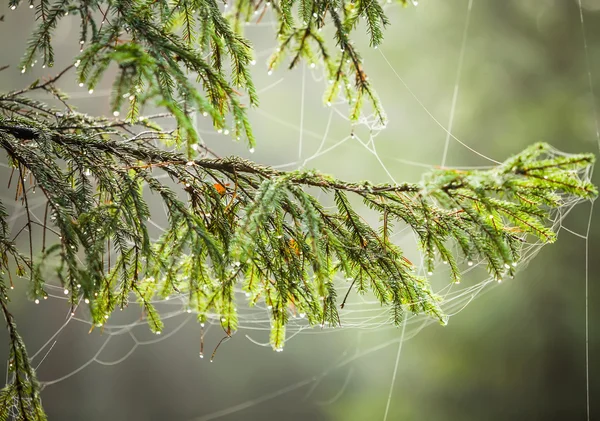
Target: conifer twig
{"x": 233, "y": 225}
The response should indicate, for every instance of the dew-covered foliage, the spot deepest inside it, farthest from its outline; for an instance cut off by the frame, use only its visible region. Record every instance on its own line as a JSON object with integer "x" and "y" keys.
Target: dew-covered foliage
{"x": 233, "y": 224}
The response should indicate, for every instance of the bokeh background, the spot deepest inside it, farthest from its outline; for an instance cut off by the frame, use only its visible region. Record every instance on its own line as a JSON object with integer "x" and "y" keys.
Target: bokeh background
{"x": 516, "y": 352}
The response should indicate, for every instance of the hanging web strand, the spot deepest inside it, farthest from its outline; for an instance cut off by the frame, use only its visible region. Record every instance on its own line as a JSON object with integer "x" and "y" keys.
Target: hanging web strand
{"x": 587, "y": 313}
{"x": 589, "y": 73}
{"x": 461, "y": 58}
{"x": 587, "y": 237}
{"x": 303, "y": 90}
{"x": 430, "y": 114}
{"x": 400, "y": 342}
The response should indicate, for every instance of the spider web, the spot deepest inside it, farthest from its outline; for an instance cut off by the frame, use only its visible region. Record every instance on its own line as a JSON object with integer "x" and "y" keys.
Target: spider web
{"x": 314, "y": 134}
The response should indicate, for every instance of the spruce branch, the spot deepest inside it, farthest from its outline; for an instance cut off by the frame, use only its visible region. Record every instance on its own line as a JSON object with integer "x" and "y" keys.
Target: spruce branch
{"x": 21, "y": 396}
{"x": 157, "y": 45}
{"x": 233, "y": 225}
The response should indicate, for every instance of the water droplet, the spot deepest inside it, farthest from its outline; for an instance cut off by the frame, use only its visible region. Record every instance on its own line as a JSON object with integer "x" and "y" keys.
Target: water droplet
{"x": 190, "y": 163}
{"x": 429, "y": 273}
{"x": 86, "y": 301}
{"x": 116, "y": 113}
{"x": 91, "y": 91}
{"x": 37, "y": 301}
{"x": 312, "y": 65}
{"x": 13, "y": 7}
{"x": 470, "y": 263}
{"x": 253, "y": 63}
{"x": 204, "y": 113}
{"x": 251, "y": 150}
{"x": 201, "y": 355}
{"x": 81, "y": 84}
{"x": 270, "y": 72}
{"x": 66, "y": 291}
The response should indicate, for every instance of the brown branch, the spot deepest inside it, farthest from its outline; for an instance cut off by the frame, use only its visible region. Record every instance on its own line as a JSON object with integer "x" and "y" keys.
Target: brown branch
{"x": 50, "y": 81}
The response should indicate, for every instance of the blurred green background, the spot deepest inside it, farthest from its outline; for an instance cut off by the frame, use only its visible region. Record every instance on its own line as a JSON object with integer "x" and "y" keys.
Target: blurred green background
{"x": 516, "y": 352}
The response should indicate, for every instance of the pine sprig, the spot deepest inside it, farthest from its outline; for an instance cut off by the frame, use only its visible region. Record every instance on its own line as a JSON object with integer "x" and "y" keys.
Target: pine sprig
{"x": 155, "y": 52}
{"x": 157, "y": 45}
{"x": 20, "y": 398}
{"x": 234, "y": 225}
